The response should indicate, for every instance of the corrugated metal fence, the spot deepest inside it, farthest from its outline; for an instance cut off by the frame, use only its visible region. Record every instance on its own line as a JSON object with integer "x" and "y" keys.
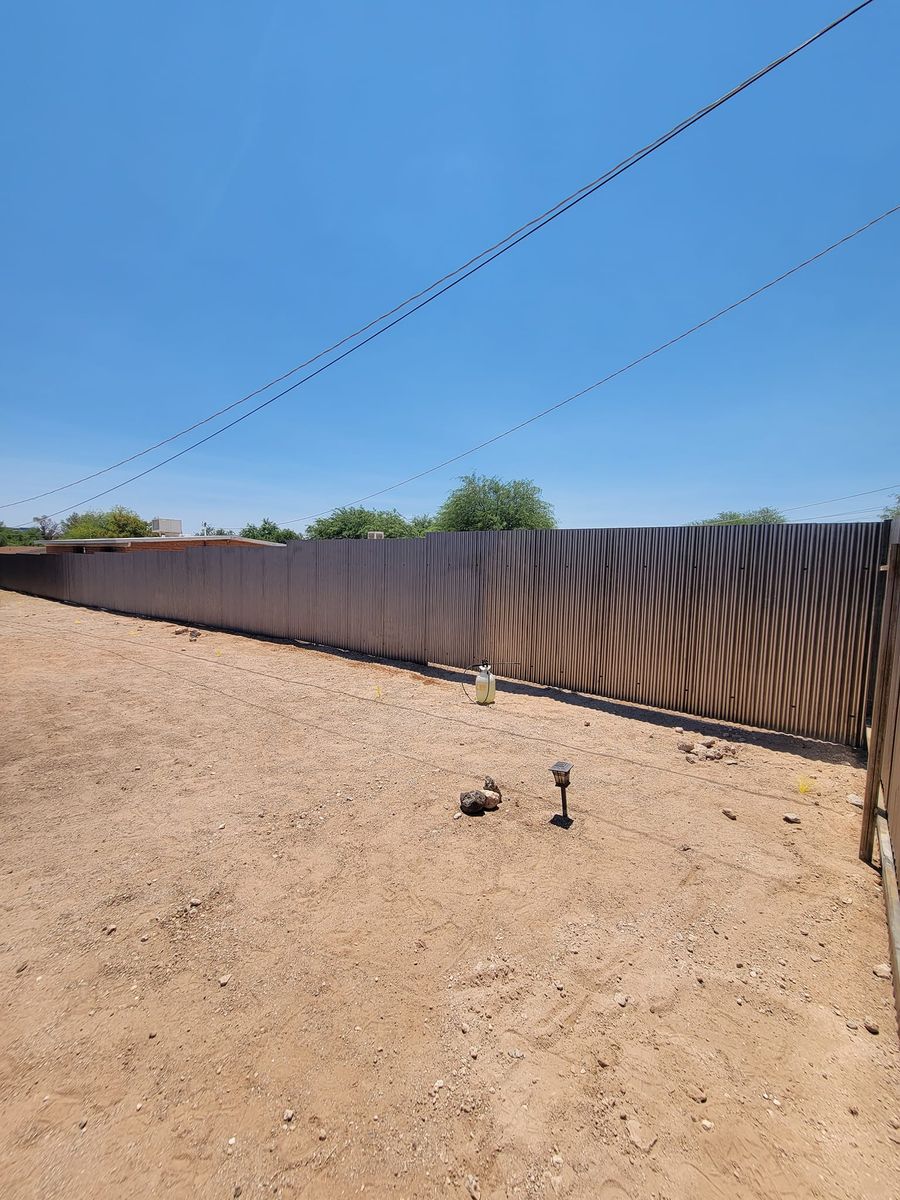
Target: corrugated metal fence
{"x": 881, "y": 808}
{"x": 766, "y": 625}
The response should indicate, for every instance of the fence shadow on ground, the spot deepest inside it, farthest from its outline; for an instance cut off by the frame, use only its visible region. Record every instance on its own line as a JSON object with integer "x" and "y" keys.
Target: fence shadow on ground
{"x": 815, "y": 751}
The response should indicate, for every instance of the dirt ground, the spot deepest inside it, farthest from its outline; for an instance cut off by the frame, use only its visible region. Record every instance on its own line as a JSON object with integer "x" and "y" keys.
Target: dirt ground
{"x": 249, "y": 946}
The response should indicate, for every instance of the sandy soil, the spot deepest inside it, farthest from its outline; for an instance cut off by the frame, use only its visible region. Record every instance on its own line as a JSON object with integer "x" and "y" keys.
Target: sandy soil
{"x": 234, "y": 884}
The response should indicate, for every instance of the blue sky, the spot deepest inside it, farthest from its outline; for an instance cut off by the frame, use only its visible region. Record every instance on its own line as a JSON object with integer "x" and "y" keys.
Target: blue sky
{"x": 197, "y": 197}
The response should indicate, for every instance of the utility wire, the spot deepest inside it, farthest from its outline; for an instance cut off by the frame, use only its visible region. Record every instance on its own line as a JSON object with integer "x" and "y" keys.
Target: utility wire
{"x": 834, "y": 500}
{"x": 613, "y": 375}
{"x": 444, "y": 284}
{"x": 855, "y": 512}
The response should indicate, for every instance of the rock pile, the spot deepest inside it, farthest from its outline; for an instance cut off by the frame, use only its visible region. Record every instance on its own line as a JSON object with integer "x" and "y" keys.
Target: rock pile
{"x": 707, "y": 749}
{"x": 481, "y": 800}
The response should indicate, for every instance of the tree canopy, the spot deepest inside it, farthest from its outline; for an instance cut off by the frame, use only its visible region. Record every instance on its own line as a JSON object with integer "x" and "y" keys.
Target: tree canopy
{"x": 890, "y": 511}
{"x": 19, "y": 537}
{"x": 755, "y": 516}
{"x": 116, "y": 522}
{"x": 268, "y": 531}
{"x": 358, "y": 522}
{"x": 484, "y": 502}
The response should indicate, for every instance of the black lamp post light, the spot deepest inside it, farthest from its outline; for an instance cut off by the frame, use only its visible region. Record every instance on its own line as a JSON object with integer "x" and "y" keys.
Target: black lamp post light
{"x": 561, "y": 779}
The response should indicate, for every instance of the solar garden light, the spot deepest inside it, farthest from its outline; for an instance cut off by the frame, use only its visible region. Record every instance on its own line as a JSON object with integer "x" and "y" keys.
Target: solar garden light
{"x": 561, "y": 779}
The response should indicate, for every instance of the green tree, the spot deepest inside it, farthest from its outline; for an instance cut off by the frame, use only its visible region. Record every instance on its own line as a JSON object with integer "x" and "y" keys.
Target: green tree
{"x": 207, "y": 530}
{"x": 891, "y": 510}
{"x": 357, "y": 522}
{"x": 116, "y": 522}
{"x": 483, "y": 502}
{"x": 268, "y": 531}
{"x": 419, "y": 526}
{"x": 18, "y": 537}
{"x": 755, "y": 516}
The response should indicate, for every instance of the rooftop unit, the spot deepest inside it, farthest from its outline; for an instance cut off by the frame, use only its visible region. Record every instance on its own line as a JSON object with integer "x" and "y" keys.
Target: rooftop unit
{"x": 166, "y": 527}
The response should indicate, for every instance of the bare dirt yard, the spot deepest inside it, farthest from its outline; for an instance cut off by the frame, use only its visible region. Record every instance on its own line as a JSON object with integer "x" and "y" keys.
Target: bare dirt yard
{"x": 249, "y": 946}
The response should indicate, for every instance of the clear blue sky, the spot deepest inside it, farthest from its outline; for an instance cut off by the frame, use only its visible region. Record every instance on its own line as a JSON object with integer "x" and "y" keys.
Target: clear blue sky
{"x": 198, "y": 196}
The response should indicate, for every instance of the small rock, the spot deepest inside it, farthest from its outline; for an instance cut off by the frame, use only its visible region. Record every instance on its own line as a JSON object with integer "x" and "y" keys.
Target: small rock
{"x": 473, "y": 1187}
{"x": 323, "y": 1134}
{"x": 854, "y": 1111}
{"x": 145, "y": 937}
{"x": 491, "y": 800}
{"x": 221, "y": 824}
{"x": 232, "y": 1141}
{"x": 856, "y": 801}
{"x": 556, "y": 1161}
{"x": 882, "y": 971}
{"x": 621, "y": 999}
{"x": 457, "y": 816}
{"x": 791, "y": 818}
{"x": 729, "y": 813}
{"x": 707, "y": 1125}
{"x": 194, "y": 902}
{"x": 223, "y": 980}
{"x": 691, "y": 758}
{"x": 472, "y": 803}
{"x": 697, "y": 1095}
{"x": 473, "y": 1053}
{"x": 707, "y": 742}
{"x": 82, "y": 1124}
{"x": 637, "y": 1137}
{"x": 559, "y": 986}
{"x": 287, "y": 1116}
{"x": 237, "y": 1191}
{"x": 679, "y": 729}
{"x": 870, "y": 1025}
{"x": 152, "y": 1034}
{"x": 21, "y": 967}
{"x": 108, "y": 929}
{"x": 852, "y": 1025}
{"x": 491, "y": 786}
{"x": 686, "y": 745}
{"x": 587, "y": 722}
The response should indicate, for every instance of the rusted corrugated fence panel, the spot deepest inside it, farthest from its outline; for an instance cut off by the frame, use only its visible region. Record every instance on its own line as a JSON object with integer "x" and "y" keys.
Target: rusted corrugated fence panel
{"x": 766, "y": 625}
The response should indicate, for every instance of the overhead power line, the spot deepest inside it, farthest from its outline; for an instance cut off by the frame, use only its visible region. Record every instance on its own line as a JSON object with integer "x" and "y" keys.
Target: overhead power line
{"x": 854, "y": 512}
{"x": 635, "y": 362}
{"x": 834, "y": 500}
{"x": 424, "y": 297}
